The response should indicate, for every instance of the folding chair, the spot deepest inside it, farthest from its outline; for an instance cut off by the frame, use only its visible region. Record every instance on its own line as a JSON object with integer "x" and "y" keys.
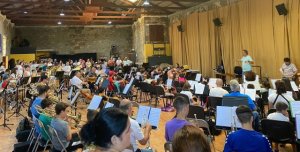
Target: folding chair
{"x": 34, "y": 137}
{"x": 46, "y": 132}
{"x": 55, "y": 135}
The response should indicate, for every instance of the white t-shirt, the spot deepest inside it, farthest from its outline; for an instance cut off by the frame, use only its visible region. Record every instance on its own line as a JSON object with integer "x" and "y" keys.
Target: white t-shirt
{"x": 76, "y": 81}
{"x": 217, "y": 92}
{"x": 278, "y": 116}
{"x": 66, "y": 69}
{"x": 188, "y": 93}
{"x": 246, "y": 66}
{"x": 273, "y": 96}
{"x": 136, "y": 133}
{"x": 119, "y": 62}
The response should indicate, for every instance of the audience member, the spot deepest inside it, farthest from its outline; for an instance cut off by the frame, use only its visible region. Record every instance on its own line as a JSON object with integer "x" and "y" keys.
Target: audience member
{"x": 191, "y": 139}
{"x": 246, "y": 139}
{"x": 182, "y": 109}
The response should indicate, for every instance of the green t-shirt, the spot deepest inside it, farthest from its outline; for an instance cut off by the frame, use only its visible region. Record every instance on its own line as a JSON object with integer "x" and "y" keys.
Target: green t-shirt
{"x": 46, "y": 121}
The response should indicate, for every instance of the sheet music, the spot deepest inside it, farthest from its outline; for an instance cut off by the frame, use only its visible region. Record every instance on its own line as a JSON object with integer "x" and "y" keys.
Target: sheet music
{"x": 226, "y": 117}
{"x": 125, "y": 76}
{"x": 94, "y": 105}
{"x": 295, "y": 108}
{"x": 198, "y": 77}
{"x": 98, "y": 80}
{"x": 169, "y": 83}
{"x": 250, "y": 92}
{"x": 108, "y": 105}
{"x": 199, "y": 88}
{"x": 154, "y": 117}
{"x": 126, "y": 89}
{"x": 156, "y": 77}
{"x": 75, "y": 98}
{"x": 142, "y": 114}
{"x": 212, "y": 82}
{"x": 294, "y": 86}
{"x": 273, "y": 83}
{"x": 192, "y": 83}
{"x": 297, "y": 119}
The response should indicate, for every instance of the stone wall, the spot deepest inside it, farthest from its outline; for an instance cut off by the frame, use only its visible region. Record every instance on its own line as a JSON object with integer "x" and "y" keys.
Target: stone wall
{"x": 78, "y": 39}
{"x": 6, "y": 30}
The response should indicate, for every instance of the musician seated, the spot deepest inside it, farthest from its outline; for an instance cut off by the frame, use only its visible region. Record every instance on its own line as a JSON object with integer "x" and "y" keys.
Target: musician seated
{"x": 61, "y": 124}
{"x": 136, "y": 133}
{"x": 235, "y": 88}
{"x": 92, "y": 73}
{"x": 27, "y": 72}
{"x": 218, "y": 91}
{"x": 44, "y": 80}
{"x": 186, "y": 90}
{"x": 280, "y": 95}
{"x": 182, "y": 109}
{"x": 77, "y": 81}
{"x": 246, "y": 139}
{"x": 43, "y": 91}
{"x": 191, "y": 139}
{"x": 44, "y": 118}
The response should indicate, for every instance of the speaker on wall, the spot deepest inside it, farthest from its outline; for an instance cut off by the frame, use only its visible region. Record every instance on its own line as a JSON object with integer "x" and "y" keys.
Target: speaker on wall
{"x": 180, "y": 28}
{"x": 217, "y": 22}
{"x": 281, "y": 9}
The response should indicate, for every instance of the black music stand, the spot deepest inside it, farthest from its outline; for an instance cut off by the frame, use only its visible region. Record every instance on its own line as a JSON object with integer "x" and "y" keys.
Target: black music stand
{"x": 5, "y": 125}
{"x": 35, "y": 79}
{"x": 72, "y": 74}
{"x": 59, "y": 75}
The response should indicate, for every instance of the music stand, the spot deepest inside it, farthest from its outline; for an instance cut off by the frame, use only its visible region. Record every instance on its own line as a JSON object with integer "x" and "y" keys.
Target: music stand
{"x": 5, "y": 125}
{"x": 17, "y": 111}
{"x": 234, "y": 101}
{"x": 59, "y": 75}
{"x": 35, "y": 79}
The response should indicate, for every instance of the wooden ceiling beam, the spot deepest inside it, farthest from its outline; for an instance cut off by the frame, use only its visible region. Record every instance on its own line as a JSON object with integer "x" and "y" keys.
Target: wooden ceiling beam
{"x": 67, "y": 16}
{"x": 178, "y": 4}
{"x": 195, "y": 1}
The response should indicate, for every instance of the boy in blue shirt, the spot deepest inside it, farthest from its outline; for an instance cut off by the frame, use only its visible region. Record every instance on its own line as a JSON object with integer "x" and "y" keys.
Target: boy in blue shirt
{"x": 246, "y": 139}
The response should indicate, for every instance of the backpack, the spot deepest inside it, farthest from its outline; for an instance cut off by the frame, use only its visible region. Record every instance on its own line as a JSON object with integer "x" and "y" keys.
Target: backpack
{"x": 24, "y": 124}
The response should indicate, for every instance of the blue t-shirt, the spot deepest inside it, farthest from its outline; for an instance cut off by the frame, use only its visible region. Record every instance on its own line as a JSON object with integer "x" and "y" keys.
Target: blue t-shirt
{"x": 238, "y": 94}
{"x": 172, "y": 126}
{"x": 247, "y": 141}
{"x": 33, "y": 110}
{"x": 246, "y": 66}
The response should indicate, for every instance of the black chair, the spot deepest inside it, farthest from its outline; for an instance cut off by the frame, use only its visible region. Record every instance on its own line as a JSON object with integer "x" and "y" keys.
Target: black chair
{"x": 160, "y": 93}
{"x": 144, "y": 90}
{"x": 238, "y": 73}
{"x": 196, "y": 112}
{"x": 279, "y": 131}
{"x": 234, "y": 101}
{"x": 213, "y": 102}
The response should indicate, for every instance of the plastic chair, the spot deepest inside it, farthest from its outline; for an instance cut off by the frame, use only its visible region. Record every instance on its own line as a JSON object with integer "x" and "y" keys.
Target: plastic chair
{"x": 279, "y": 132}
{"x": 168, "y": 147}
{"x": 55, "y": 135}
{"x": 204, "y": 125}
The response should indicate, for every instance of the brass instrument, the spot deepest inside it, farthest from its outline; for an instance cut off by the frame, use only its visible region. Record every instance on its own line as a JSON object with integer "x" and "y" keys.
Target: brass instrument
{"x": 51, "y": 113}
{"x": 91, "y": 79}
{"x": 54, "y": 99}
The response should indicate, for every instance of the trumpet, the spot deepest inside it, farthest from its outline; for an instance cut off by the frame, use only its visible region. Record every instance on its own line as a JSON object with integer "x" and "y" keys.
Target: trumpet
{"x": 53, "y": 99}
{"x": 51, "y": 113}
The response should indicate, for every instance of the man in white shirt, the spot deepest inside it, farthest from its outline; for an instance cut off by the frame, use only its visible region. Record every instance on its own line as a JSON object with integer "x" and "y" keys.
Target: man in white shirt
{"x": 119, "y": 62}
{"x": 127, "y": 62}
{"x": 218, "y": 91}
{"x": 77, "y": 81}
{"x": 67, "y": 69}
{"x": 136, "y": 133}
{"x": 281, "y": 113}
{"x": 288, "y": 69}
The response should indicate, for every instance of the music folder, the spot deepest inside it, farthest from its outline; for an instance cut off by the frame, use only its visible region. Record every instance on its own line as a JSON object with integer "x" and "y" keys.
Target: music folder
{"x": 199, "y": 88}
{"x": 198, "y": 77}
{"x": 95, "y": 103}
{"x": 295, "y": 108}
{"x": 146, "y": 113}
{"x": 226, "y": 117}
{"x": 108, "y": 105}
{"x": 297, "y": 120}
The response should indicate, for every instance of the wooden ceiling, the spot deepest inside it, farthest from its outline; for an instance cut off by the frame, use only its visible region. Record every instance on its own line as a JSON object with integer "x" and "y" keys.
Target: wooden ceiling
{"x": 87, "y": 12}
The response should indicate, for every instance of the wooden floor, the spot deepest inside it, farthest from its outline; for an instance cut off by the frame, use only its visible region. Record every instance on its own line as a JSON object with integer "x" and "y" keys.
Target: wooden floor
{"x": 7, "y": 138}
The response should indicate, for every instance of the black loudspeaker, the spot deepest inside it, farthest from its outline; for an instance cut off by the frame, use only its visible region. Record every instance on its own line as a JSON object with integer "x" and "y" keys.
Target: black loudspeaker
{"x": 217, "y": 22}
{"x": 281, "y": 9}
{"x": 180, "y": 28}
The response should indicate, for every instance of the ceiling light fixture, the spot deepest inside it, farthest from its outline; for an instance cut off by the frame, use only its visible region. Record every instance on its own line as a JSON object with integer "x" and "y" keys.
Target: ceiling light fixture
{"x": 59, "y": 23}
{"x": 146, "y": 2}
{"x": 109, "y": 22}
{"x": 66, "y": 0}
{"x": 132, "y": 1}
{"x": 62, "y": 13}
{"x": 25, "y": 12}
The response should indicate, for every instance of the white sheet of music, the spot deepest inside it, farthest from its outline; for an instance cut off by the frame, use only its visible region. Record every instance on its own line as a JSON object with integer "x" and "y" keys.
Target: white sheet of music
{"x": 212, "y": 82}
{"x": 273, "y": 83}
{"x": 294, "y": 86}
{"x": 250, "y": 92}
{"x": 156, "y": 77}
{"x": 108, "y": 105}
{"x": 199, "y": 88}
{"x": 146, "y": 113}
{"x": 226, "y": 117}
{"x": 198, "y": 77}
{"x": 98, "y": 80}
{"x": 75, "y": 97}
{"x": 169, "y": 83}
{"x": 297, "y": 120}
{"x": 94, "y": 105}
{"x": 295, "y": 108}
{"x": 126, "y": 89}
{"x": 192, "y": 83}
